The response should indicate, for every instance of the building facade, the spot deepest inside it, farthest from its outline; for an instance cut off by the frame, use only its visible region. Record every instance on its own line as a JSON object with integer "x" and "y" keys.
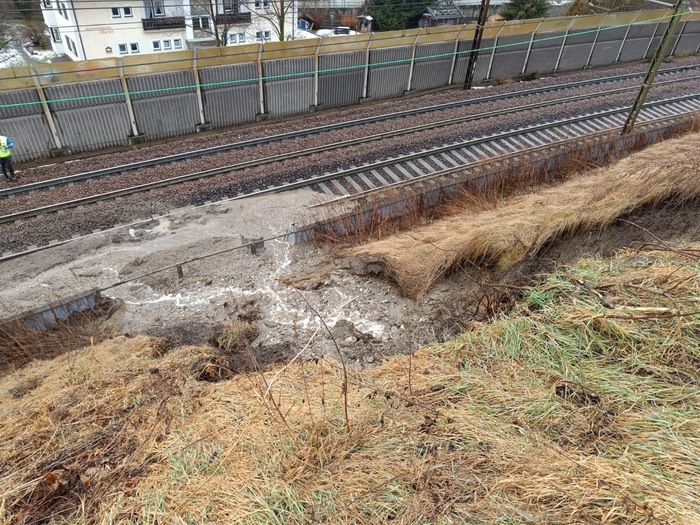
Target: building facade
{"x": 89, "y": 29}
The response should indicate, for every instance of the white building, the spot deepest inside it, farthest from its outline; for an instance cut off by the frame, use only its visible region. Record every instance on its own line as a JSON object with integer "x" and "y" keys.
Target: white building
{"x": 90, "y": 29}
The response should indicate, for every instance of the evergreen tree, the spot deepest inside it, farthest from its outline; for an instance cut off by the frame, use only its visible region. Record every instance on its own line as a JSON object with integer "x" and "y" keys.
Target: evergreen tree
{"x": 524, "y": 9}
{"x": 390, "y": 15}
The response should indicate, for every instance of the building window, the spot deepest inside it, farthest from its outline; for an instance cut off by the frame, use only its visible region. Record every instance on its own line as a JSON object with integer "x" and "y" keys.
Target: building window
{"x": 131, "y": 48}
{"x": 200, "y": 22}
{"x": 55, "y": 34}
{"x": 262, "y": 4}
{"x": 154, "y": 8}
{"x": 166, "y": 45}
{"x": 71, "y": 46}
{"x": 231, "y": 6}
{"x": 122, "y": 12}
{"x": 62, "y": 10}
{"x": 236, "y": 38}
{"x": 46, "y": 3}
{"x": 263, "y": 36}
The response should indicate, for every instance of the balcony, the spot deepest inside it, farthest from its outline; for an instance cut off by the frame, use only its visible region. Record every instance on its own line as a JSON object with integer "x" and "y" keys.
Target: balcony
{"x": 233, "y": 18}
{"x": 161, "y": 23}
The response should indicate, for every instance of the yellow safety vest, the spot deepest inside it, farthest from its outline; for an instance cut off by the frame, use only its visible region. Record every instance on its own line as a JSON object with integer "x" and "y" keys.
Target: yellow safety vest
{"x": 5, "y": 150}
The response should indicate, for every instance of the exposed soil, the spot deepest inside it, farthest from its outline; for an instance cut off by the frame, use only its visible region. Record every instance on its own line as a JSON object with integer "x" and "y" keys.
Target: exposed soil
{"x": 291, "y": 286}
{"x": 665, "y": 222}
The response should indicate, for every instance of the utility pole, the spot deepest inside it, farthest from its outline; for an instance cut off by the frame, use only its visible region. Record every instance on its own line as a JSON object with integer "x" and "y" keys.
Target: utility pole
{"x": 653, "y": 67}
{"x": 476, "y": 43}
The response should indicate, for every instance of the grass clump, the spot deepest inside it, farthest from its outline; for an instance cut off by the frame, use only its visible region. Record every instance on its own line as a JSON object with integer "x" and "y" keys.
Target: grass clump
{"x": 237, "y": 334}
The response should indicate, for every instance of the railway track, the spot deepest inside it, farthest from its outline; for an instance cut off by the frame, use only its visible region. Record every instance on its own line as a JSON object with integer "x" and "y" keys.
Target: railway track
{"x": 437, "y": 163}
{"x": 430, "y": 163}
{"x": 105, "y": 172}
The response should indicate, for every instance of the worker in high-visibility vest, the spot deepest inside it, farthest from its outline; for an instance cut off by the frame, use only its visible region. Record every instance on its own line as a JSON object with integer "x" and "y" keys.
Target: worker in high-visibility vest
{"x": 6, "y": 146}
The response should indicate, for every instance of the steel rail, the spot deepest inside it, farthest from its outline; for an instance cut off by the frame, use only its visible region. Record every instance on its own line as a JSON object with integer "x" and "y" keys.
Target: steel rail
{"x": 441, "y": 174}
{"x": 115, "y": 170}
{"x": 481, "y": 140}
{"x": 327, "y": 176}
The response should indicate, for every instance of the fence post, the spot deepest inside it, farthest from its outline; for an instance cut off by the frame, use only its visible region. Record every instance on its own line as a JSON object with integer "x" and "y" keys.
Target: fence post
{"x": 624, "y": 39}
{"x": 678, "y": 39}
{"x": 529, "y": 47}
{"x": 127, "y": 98}
{"x": 198, "y": 89}
{"x": 563, "y": 45}
{"x": 366, "y": 80}
{"x": 493, "y": 53}
{"x": 261, "y": 90}
{"x": 453, "y": 66}
{"x": 653, "y": 34}
{"x": 595, "y": 41}
{"x": 45, "y": 108}
{"x": 413, "y": 60}
{"x": 316, "y": 63}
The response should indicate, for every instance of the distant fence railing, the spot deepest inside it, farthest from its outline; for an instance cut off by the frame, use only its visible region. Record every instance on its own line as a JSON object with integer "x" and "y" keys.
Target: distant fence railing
{"x": 49, "y": 109}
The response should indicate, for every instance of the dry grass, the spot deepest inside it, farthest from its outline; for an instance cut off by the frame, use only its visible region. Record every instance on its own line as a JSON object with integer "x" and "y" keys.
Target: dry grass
{"x": 581, "y": 406}
{"x": 521, "y": 226}
{"x": 20, "y": 345}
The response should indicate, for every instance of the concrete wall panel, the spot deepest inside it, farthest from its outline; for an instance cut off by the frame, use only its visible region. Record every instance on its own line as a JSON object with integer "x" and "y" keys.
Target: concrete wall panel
{"x": 283, "y": 70}
{"x": 576, "y": 51}
{"x": 230, "y": 94}
{"x": 89, "y": 115}
{"x": 167, "y": 116}
{"x": 162, "y": 85}
{"x": 31, "y": 136}
{"x": 637, "y": 41}
{"x": 510, "y": 56}
{"x": 340, "y": 79}
{"x": 154, "y": 97}
{"x": 690, "y": 38}
{"x": 484, "y": 59}
{"x": 460, "y": 71}
{"x": 607, "y": 47}
{"x": 388, "y": 72}
{"x": 232, "y": 105}
{"x": 657, "y": 38}
{"x": 19, "y": 103}
{"x": 226, "y": 77}
{"x": 85, "y": 94}
{"x": 545, "y": 51}
{"x": 289, "y": 97}
{"x": 432, "y": 66}
{"x": 91, "y": 128}
{"x": 288, "y": 86}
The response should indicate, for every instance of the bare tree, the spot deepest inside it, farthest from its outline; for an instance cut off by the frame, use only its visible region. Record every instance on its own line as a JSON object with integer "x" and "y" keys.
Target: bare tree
{"x": 5, "y": 38}
{"x": 276, "y": 12}
{"x": 222, "y": 16}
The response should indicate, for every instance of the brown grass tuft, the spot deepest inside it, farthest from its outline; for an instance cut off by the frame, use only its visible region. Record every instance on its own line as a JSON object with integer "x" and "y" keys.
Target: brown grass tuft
{"x": 522, "y": 226}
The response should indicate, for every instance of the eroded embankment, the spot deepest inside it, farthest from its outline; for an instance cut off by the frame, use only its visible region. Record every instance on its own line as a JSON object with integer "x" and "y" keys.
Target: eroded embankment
{"x": 522, "y": 225}
{"x": 580, "y": 406}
